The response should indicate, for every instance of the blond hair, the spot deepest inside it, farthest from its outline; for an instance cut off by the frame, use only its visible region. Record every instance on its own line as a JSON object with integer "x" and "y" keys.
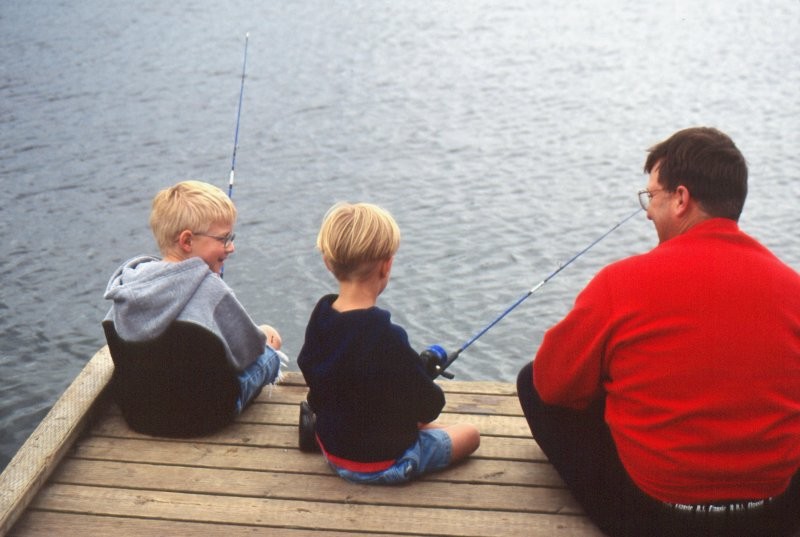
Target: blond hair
{"x": 192, "y": 205}
{"x": 354, "y": 237}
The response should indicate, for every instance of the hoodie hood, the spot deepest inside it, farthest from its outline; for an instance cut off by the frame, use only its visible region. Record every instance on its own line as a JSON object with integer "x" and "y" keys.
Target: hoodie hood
{"x": 149, "y": 294}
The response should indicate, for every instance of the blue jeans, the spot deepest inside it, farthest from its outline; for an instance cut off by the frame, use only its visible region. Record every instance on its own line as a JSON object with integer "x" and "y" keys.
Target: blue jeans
{"x": 257, "y": 375}
{"x": 431, "y": 452}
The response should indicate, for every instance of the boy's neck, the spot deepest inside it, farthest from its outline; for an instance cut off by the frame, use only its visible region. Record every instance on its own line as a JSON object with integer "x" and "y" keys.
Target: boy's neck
{"x": 355, "y": 296}
{"x": 362, "y": 293}
{"x": 172, "y": 258}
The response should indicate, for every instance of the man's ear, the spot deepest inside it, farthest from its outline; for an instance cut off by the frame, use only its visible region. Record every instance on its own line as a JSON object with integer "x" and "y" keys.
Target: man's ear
{"x": 682, "y": 201}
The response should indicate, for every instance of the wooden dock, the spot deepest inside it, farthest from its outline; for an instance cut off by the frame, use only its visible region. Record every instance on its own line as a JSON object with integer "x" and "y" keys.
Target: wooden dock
{"x": 83, "y": 472}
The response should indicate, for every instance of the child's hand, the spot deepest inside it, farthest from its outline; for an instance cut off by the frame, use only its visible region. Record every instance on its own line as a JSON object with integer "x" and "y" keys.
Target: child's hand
{"x": 273, "y": 337}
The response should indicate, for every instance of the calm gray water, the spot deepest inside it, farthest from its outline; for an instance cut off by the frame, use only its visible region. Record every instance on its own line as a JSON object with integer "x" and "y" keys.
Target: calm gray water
{"x": 503, "y": 135}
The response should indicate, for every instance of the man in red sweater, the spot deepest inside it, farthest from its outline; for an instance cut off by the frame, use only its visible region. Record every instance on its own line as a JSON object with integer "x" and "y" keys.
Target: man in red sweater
{"x": 669, "y": 397}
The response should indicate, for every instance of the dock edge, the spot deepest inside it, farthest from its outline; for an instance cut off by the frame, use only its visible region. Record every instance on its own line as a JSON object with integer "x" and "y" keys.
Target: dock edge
{"x": 48, "y": 443}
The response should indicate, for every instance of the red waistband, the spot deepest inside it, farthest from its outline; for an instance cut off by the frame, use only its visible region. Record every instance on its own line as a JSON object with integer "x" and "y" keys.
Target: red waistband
{"x": 356, "y": 466}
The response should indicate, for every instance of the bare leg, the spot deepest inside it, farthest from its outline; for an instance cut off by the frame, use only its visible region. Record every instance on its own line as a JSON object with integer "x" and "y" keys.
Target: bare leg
{"x": 465, "y": 438}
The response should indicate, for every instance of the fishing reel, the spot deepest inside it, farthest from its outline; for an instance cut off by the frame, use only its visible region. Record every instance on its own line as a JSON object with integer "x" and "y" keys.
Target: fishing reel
{"x": 435, "y": 360}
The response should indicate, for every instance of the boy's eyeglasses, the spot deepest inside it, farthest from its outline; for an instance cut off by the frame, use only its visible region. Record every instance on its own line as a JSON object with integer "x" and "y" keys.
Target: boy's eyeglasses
{"x": 226, "y": 240}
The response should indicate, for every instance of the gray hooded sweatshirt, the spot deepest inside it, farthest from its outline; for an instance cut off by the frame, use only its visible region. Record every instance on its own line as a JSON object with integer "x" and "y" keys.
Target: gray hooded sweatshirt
{"x": 149, "y": 294}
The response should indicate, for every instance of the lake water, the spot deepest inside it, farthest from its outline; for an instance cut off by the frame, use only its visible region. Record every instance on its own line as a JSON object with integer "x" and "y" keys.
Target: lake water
{"x": 504, "y": 136}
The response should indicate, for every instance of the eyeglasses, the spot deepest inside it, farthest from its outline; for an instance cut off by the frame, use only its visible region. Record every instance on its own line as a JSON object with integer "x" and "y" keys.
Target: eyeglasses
{"x": 226, "y": 240}
{"x": 646, "y": 195}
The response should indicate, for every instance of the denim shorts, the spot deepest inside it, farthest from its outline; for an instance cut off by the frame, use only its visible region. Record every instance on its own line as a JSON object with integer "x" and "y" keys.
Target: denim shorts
{"x": 431, "y": 452}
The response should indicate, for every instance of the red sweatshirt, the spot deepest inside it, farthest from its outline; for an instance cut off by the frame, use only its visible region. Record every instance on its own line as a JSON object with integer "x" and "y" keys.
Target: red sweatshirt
{"x": 696, "y": 346}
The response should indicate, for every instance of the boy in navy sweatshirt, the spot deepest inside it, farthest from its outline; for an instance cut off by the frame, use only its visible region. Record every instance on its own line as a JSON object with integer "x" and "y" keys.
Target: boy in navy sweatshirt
{"x": 373, "y": 399}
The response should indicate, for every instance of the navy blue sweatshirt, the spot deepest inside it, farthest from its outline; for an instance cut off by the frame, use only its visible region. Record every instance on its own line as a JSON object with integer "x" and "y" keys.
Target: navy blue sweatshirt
{"x": 366, "y": 384}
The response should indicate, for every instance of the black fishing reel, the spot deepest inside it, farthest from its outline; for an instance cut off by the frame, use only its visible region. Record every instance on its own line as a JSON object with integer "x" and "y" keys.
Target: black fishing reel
{"x": 435, "y": 360}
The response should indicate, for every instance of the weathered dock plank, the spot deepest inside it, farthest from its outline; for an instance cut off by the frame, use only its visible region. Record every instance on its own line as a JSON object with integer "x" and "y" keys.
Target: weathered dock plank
{"x": 274, "y": 513}
{"x": 251, "y": 479}
{"x": 45, "y": 447}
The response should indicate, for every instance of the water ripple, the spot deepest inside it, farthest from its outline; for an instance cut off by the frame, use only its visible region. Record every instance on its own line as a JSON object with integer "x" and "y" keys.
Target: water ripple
{"x": 503, "y": 136}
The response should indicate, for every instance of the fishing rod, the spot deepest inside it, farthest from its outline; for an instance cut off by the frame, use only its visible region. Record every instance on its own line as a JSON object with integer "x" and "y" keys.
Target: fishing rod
{"x": 238, "y": 117}
{"x": 236, "y": 132}
{"x": 435, "y": 358}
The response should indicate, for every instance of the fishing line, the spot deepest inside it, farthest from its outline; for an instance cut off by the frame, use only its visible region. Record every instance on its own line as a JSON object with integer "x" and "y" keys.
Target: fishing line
{"x": 437, "y": 359}
{"x": 238, "y": 117}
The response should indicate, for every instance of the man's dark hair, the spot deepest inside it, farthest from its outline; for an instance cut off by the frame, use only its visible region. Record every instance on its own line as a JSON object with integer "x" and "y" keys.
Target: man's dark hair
{"x": 708, "y": 164}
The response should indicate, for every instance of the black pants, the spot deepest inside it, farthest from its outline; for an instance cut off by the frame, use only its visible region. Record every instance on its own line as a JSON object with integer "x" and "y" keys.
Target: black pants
{"x": 580, "y": 447}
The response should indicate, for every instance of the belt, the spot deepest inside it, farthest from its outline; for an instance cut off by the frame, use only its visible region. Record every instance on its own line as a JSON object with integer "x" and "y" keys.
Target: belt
{"x": 721, "y": 508}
